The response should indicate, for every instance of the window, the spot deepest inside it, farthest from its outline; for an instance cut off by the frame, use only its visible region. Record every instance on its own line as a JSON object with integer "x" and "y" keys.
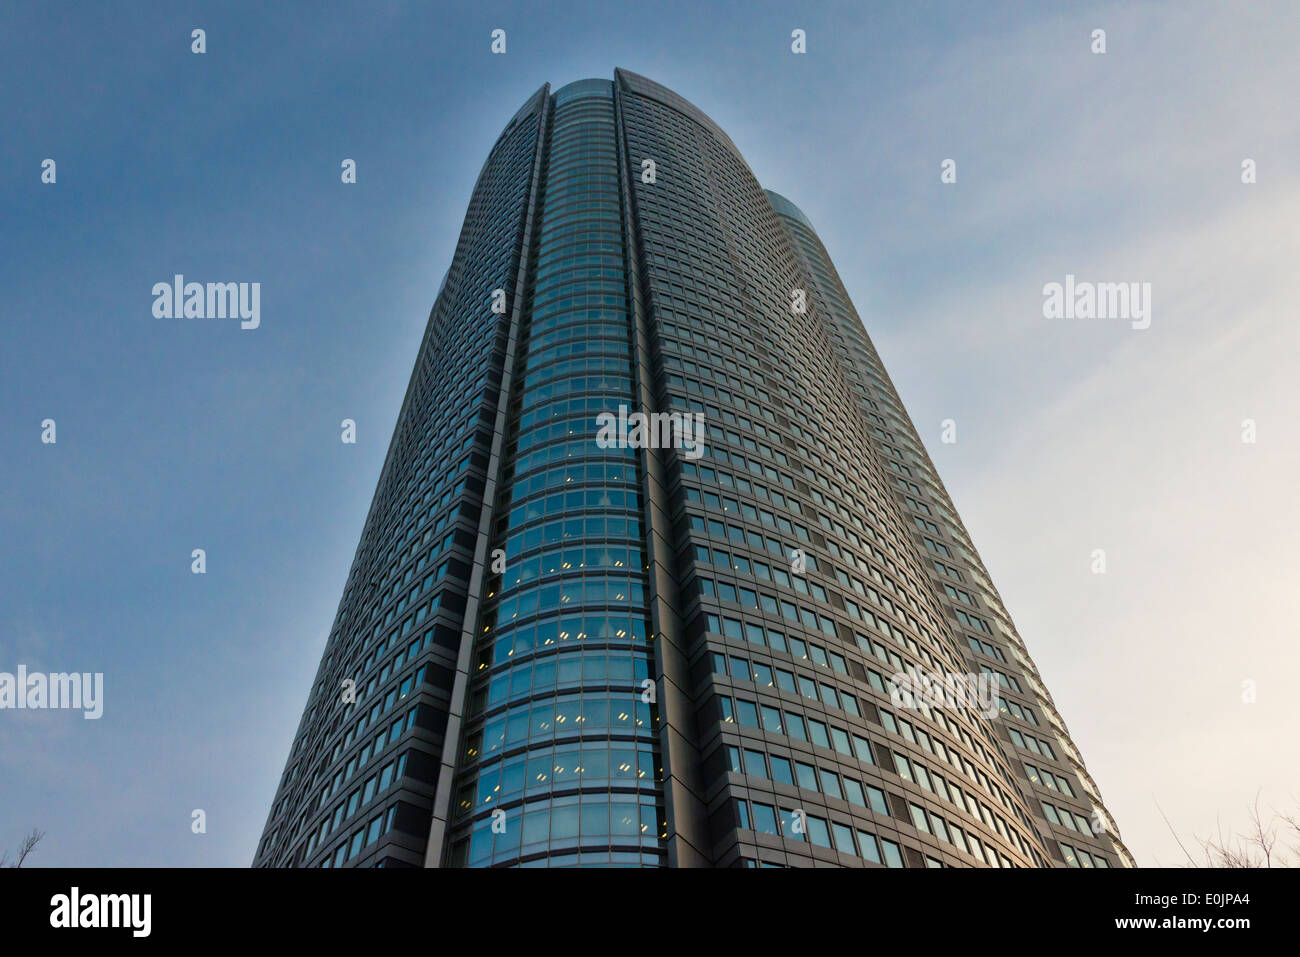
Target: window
{"x": 831, "y": 784}
{"x": 958, "y": 836}
{"x": 742, "y": 816}
{"x": 772, "y": 719}
{"x": 893, "y": 857}
{"x": 764, "y": 819}
{"x": 781, "y": 772}
{"x": 876, "y": 798}
{"x": 867, "y": 843}
{"x": 748, "y": 713}
{"x": 733, "y": 760}
{"x": 788, "y": 827}
{"x": 844, "y": 839}
{"x": 807, "y": 776}
{"x": 940, "y": 828}
{"x": 903, "y": 768}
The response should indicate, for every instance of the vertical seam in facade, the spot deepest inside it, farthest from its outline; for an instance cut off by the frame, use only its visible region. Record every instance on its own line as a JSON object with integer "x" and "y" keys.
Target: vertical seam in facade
{"x": 456, "y": 711}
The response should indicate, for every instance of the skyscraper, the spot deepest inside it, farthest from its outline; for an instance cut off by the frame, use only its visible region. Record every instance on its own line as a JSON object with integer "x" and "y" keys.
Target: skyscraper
{"x": 721, "y": 649}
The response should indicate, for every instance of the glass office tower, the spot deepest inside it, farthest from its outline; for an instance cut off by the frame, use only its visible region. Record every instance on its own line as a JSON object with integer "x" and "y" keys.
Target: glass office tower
{"x": 554, "y": 650}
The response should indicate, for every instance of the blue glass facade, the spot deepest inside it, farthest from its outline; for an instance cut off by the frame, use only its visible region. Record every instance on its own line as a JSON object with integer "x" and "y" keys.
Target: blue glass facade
{"x": 559, "y": 737}
{"x": 569, "y": 653}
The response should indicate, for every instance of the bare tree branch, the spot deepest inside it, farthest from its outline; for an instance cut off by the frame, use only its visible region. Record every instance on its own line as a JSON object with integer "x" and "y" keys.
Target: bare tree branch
{"x": 1175, "y": 834}
{"x": 25, "y": 848}
{"x": 1260, "y": 846}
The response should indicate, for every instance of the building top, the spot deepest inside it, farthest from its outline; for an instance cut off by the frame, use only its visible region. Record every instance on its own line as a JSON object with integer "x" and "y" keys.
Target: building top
{"x": 787, "y": 208}
{"x": 580, "y": 88}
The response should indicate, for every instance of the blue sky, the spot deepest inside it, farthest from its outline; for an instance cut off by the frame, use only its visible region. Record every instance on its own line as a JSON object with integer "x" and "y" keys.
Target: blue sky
{"x": 175, "y": 435}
